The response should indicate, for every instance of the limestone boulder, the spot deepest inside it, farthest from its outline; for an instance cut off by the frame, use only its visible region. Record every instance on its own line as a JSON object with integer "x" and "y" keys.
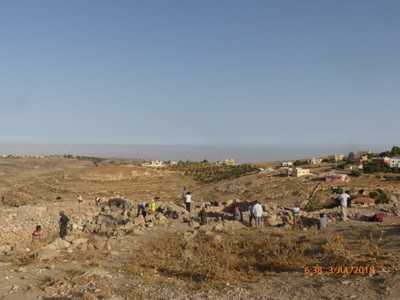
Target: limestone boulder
{"x": 230, "y": 202}
{"x": 139, "y": 220}
{"x": 6, "y": 249}
{"x": 171, "y": 210}
{"x": 97, "y": 242}
{"x": 219, "y": 227}
{"x": 62, "y": 244}
{"x": 150, "y": 218}
{"x": 69, "y": 238}
{"x": 161, "y": 218}
{"x": 195, "y": 224}
{"x": 79, "y": 242}
{"x": 273, "y": 220}
{"x": 137, "y": 232}
{"x": 48, "y": 254}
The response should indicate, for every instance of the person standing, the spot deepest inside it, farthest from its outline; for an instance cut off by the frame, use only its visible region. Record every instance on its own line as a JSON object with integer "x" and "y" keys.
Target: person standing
{"x": 63, "y": 224}
{"x": 126, "y": 207}
{"x": 322, "y": 221}
{"x": 296, "y": 216}
{"x": 79, "y": 199}
{"x": 142, "y": 209}
{"x": 203, "y": 215}
{"x": 343, "y": 199}
{"x": 251, "y": 213}
{"x": 153, "y": 205}
{"x": 257, "y": 211}
{"x": 188, "y": 200}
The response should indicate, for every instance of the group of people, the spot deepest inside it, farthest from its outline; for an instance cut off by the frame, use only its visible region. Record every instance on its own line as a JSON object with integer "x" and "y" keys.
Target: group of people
{"x": 343, "y": 203}
{"x": 255, "y": 211}
{"x": 37, "y": 234}
{"x": 145, "y": 208}
{"x": 124, "y": 203}
{"x": 322, "y": 220}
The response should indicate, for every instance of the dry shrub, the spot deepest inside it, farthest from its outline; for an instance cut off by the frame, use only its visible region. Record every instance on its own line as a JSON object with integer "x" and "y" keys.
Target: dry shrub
{"x": 23, "y": 258}
{"x": 77, "y": 284}
{"x": 208, "y": 258}
{"x": 93, "y": 257}
{"x": 366, "y": 252}
{"x": 374, "y": 254}
{"x": 280, "y": 253}
{"x": 16, "y": 198}
{"x": 336, "y": 253}
{"x": 89, "y": 296}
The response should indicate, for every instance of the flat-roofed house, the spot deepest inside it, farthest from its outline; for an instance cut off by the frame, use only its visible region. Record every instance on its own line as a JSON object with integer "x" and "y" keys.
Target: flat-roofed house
{"x": 395, "y": 162}
{"x": 298, "y": 172}
{"x": 337, "y": 178}
{"x": 363, "y": 201}
{"x": 315, "y": 161}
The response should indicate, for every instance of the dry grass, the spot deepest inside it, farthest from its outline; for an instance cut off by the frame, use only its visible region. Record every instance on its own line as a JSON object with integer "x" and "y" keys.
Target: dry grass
{"x": 209, "y": 258}
{"x": 367, "y": 251}
{"x": 246, "y": 256}
{"x": 78, "y": 284}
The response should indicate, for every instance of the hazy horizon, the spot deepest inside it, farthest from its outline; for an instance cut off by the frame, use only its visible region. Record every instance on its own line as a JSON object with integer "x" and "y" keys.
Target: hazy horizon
{"x": 241, "y": 154}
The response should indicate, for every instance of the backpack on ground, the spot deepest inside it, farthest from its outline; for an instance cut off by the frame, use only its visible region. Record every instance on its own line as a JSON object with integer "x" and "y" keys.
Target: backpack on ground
{"x": 377, "y": 218}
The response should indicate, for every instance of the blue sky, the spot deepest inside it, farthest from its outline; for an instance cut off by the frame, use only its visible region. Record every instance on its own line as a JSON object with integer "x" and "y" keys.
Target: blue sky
{"x": 296, "y": 74}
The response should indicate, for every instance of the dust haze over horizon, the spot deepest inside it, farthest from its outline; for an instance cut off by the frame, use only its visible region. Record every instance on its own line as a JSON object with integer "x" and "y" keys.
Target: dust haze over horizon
{"x": 183, "y": 152}
{"x": 255, "y": 81}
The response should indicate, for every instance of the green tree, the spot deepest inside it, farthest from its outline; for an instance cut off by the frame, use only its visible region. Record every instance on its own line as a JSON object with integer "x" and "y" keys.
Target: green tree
{"x": 375, "y": 168}
{"x": 298, "y": 163}
{"x": 395, "y": 151}
{"x": 350, "y": 157}
{"x": 383, "y": 154}
{"x": 355, "y": 173}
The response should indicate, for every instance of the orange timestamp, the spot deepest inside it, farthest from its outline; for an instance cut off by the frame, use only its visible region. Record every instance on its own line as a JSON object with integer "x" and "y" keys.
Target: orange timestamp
{"x": 340, "y": 270}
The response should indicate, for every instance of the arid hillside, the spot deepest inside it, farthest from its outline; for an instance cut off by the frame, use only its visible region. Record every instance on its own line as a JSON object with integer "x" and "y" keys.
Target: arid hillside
{"x": 169, "y": 254}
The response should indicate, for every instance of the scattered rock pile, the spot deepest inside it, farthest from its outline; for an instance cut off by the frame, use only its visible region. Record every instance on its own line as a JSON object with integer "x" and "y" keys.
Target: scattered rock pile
{"x": 91, "y": 229}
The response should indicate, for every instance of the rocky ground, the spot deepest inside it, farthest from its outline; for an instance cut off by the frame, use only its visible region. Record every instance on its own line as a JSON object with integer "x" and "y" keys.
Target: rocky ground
{"x": 171, "y": 256}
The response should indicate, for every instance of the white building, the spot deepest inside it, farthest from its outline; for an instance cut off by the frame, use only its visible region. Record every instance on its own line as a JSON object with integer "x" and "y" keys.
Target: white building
{"x": 315, "y": 161}
{"x": 337, "y": 157}
{"x": 154, "y": 163}
{"x": 298, "y": 172}
{"x": 286, "y": 164}
{"x": 157, "y": 163}
{"x": 395, "y": 162}
{"x": 230, "y": 162}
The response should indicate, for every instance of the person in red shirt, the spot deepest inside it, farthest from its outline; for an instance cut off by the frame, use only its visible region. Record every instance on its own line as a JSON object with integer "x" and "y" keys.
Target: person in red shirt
{"x": 37, "y": 234}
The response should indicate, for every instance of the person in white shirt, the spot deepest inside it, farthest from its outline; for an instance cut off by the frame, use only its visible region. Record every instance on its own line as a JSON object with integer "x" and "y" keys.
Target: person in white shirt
{"x": 188, "y": 200}
{"x": 343, "y": 199}
{"x": 257, "y": 211}
{"x": 79, "y": 199}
